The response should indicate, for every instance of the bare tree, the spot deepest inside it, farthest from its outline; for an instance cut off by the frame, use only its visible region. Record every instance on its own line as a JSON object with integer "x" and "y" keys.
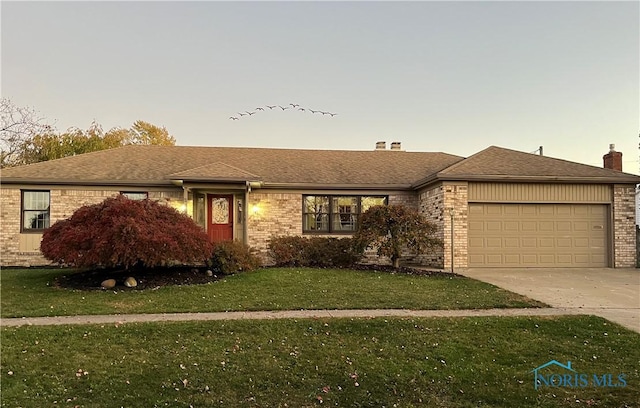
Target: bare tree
{"x": 17, "y": 126}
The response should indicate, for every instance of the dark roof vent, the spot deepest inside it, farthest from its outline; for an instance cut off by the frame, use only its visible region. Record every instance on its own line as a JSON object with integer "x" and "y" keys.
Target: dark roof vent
{"x": 396, "y": 146}
{"x": 381, "y": 145}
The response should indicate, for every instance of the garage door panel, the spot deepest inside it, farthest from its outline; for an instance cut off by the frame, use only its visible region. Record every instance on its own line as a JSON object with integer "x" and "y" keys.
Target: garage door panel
{"x": 510, "y": 210}
{"x": 564, "y": 259}
{"x": 512, "y": 259}
{"x": 543, "y": 235}
{"x": 493, "y": 243}
{"x": 511, "y": 243}
{"x": 546, "y": 226}
{"x": 547, "y": 242}
{"x": 546, "y": 211}
{"x": 511, "y": 226}
{"x": 581, "y": 226}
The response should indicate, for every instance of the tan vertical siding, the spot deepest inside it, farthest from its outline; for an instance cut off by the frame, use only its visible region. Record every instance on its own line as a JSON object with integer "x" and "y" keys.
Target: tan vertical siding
{"x": 540, "y": 193}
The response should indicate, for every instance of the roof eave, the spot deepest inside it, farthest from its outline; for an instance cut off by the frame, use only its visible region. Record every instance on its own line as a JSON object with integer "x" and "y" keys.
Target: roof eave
{"x": 76, "y": 182}
{"x": 324, "y": 186}
{"x": 626, "y": 179}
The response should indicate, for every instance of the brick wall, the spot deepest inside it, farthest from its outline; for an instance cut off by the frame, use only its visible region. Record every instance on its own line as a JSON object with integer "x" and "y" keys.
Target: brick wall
{"x": 435, "y": 203}
{"x": 456, "y": 198}
{"x": 624, "y": 234}
{"x": 431, "y": 205}
{"x": 277, "y": 215}
{"x": 408, "y": 199}
{"x": 18, "y": 249}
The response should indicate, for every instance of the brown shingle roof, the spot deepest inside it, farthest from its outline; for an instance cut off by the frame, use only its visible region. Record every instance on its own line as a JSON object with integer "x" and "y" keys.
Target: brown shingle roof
{"x": 215, "y": 171}
{"x": 158, "y": 164}
{"x": 506, "y": 164}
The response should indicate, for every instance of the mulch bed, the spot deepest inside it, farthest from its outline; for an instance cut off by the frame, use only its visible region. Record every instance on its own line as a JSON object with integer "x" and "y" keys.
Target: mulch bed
{"x": 146, "y": 278}
{"x": 159, "y": 277}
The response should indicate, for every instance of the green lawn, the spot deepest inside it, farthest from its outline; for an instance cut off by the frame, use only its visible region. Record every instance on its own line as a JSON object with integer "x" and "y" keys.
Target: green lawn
{"x": 30, "y": 292}
{"x": 427, "y": 362}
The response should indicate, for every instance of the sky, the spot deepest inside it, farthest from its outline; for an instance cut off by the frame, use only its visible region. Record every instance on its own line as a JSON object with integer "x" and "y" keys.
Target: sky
{"x": 443, "y": 76}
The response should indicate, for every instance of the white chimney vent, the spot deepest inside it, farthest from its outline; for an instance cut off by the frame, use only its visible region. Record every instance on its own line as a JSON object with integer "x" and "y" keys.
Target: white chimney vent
{"x": 612, "y": 147}
{"x": 396, "y": 146}
{"x": 381, "y": 145}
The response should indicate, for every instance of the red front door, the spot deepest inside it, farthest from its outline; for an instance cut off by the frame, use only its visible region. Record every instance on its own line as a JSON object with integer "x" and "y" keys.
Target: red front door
{"x": 220, "y": 218}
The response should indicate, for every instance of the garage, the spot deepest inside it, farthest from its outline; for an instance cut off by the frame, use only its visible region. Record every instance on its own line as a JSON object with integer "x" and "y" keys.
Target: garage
{"x": 537, "y": 235}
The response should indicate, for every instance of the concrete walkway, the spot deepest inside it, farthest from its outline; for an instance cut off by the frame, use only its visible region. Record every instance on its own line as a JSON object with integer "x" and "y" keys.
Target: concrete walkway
{"x": 285, "y": 314}
{"x": 606, "y": 292}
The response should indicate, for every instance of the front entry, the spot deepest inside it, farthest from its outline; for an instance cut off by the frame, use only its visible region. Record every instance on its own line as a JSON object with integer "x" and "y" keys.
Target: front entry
{"x": 220, "y": 218}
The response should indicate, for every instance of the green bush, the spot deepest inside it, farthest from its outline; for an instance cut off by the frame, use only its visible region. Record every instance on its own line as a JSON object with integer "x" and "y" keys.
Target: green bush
{"x": 323, "y": 252}
{"x": 233, "y": 256}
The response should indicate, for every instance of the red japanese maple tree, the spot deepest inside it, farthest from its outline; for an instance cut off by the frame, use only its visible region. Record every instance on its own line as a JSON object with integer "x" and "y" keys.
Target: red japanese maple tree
{"x": 123, "y": 233}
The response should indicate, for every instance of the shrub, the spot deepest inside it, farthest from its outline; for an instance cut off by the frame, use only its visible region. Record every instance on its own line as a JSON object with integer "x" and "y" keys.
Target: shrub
{"x": 233, "y": 256}
{"x": 315, "y": 251}
{"x": 288, "y": 251}
{"x": 393, "y": 228}
{"x": 123, "y": 233}
{"x": 330, "y": 252}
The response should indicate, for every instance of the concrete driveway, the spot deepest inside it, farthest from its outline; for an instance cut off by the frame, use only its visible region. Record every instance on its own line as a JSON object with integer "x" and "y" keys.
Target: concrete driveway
{"x": 610, "y": 293}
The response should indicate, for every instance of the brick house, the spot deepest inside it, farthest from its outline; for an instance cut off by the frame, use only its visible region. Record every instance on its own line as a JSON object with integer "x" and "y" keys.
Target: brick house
{"x": 499, "y": 207}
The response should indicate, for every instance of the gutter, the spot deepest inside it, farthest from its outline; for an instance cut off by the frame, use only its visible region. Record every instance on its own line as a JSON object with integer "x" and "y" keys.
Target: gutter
{"x": 623, "y": 179}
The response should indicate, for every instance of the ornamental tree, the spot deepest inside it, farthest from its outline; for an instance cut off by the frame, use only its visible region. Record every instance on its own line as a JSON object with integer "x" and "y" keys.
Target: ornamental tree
{"x": 123, "y": 233}
{"x": 394, "y": 228}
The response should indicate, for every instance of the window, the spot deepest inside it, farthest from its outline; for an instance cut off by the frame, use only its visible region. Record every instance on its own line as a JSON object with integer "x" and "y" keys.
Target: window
{"x": 35, "y": 211}
{"x": 135, "y": 195}
{"x": 334, "y": 214}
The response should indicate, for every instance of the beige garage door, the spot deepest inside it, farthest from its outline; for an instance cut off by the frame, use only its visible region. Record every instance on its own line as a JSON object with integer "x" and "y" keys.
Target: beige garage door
{"x": 537, "y": 235}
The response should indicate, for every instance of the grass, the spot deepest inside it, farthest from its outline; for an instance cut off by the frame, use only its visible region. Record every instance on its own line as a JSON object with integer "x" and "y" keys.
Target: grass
{"x": 30, "y": 293}
{"x": 434, "y": 362}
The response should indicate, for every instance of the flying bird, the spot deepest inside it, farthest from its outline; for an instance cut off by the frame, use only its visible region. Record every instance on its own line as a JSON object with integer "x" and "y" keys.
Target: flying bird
{"x": 294, "y": 105}
{"x": 251, "y": 113}
{"x": 301, "y": 109}
{"x": 233, "y": 118}
{"x": 283, "y": 108}
{"x": 271, "y": 106}
{"x": 325, "y": 113}
{"x": 242, "y": 114}
{"x": 261, "y": 109}
{"x": 312, "y": 111}
{"x": 332, "y": 114}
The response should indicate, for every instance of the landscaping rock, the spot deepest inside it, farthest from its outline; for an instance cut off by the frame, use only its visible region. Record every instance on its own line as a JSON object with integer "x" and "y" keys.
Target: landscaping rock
{"x": 209, "y": 272}
{"x": 108, "y": 284}
{"x": 130, "y": 282}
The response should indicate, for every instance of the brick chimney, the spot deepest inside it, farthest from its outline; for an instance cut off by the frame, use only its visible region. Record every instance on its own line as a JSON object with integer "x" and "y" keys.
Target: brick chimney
{"x": 381, "y": 145}
{"x": 396, "y": 146}
{"x": 613, "y": 159}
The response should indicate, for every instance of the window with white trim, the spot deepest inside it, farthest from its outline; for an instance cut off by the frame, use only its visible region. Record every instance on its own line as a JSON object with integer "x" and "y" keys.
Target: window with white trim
{"x": 35, "y": 210}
